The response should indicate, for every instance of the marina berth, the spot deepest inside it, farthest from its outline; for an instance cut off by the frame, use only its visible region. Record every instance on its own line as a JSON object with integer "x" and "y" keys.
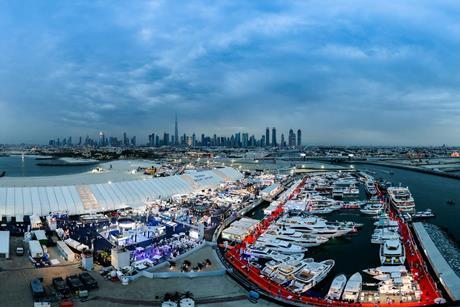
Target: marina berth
{"x": 312, "y": 273}
{"x": 372, "y": 209}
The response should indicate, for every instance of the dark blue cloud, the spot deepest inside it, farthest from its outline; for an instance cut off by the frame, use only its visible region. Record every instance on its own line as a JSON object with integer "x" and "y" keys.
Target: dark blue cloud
{"x": 359, "y": 73}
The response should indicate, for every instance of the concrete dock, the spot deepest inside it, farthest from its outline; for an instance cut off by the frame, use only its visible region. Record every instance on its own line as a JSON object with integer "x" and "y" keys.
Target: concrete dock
{"x": 449, "y": 279}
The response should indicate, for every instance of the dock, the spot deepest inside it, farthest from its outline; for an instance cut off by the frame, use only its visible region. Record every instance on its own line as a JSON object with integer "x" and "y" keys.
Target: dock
{"x": 449, "y": 279}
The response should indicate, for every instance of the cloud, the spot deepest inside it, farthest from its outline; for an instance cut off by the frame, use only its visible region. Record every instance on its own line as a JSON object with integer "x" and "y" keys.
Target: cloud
{"x": 360, "y": 72}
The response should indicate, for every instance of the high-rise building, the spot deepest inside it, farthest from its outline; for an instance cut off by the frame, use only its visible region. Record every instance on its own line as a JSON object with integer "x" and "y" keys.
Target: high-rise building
{"x": 282, "y": 143}
{"x": 267, "y": 136}
{"x": 274, "y": 143}
{"x": 125, "y": 139}
{"x": 245, "y": 140}
{"x": 291, "y": 138}
{"x": 176, "y": 133}
{"x": 299, "y": 137}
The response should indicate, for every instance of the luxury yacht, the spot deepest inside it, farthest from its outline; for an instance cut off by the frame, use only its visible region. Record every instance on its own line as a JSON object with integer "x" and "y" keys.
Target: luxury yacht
{"x": 385, "y": 270}
{"x": 313, "y": 225}
{"x": 372, "y": 209}
{"x": 353, "y": 288}
{"x": 401, "y": 199}
{"x": 337, "y": 287}
{"x": 271, "y": 266}
{"x": 392, "y": 253}
{"x": 369, "y": 186}
{"x": 279, "y": 245}
{"x": 381, "y": 235}
{"x": 310, "y": 275}
{"x": 284, "y": 272}
{"x": 296, "y": 237}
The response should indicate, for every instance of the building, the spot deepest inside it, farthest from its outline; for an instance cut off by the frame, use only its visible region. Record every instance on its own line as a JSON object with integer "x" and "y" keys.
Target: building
{"x": 267, "y": 136}
{"x": 291, "y": 138}
{"x": 274, "y": 143}
{"x": 299, "y": 137}
{"x": 176, "y": 133}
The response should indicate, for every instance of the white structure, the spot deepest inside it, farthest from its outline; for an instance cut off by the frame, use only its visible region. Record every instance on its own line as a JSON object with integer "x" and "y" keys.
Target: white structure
{"x": 86, "y": 198}
{"x": 5, "y": 244}
{"x": 35, "y": 249}
{"x": 65, "y": 251}
{"x": 120, "y": 258}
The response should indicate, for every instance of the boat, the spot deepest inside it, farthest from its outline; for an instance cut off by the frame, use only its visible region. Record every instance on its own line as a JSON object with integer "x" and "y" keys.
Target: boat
{"x": 353, "y": 288}
{"x": 272, "y": 265}
{"x": 423, "y": 214}
{"x": 369, "y": 187}
{"x": 392, "y": 253}
{"x": 381, "y": 235}
{"x": 313, "y": 225}
{"x": 385, "y": 270}
{"x": 337, "y": 287}
{"x": 279, "y": 246}
{"x": 372, "y": 209}
{"x": 310, "y": 275}
{"x": 3, "y": 173}
{"x": 296, "y": 237}
{"x": 401, "y": 199}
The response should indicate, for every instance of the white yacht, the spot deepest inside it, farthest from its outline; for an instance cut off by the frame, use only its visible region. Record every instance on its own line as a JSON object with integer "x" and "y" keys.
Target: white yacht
{"x": 296, "y": 237}
{"x": 271, "y": 266}
{"x": 369, "y": 186}
{"x": 381, "y": 235}
{"x": 337, "y": 287}
{"x": 314, "y": 225}
{"x": 353, "y": 288}
{"x": 385, "y": 270}
{"x": 284, "y": 272}
{"x": 372, "y": 209}
{"x": 392, "y": 253}
{"x": 310, "y": 275}
{"x": 401, "y": 199}
{"x": 351, "y": 192}
{"x": 279, "y": 246}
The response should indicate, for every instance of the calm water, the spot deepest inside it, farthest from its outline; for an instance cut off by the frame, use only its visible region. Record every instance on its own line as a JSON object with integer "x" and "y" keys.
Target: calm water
{"x": 15, "y": 167}
{"x": 429, "y": 191}
{"x": 354, "y": 252}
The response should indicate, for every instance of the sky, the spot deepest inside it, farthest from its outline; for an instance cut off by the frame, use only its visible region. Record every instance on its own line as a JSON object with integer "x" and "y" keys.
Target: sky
{"x": 345, "y": 72}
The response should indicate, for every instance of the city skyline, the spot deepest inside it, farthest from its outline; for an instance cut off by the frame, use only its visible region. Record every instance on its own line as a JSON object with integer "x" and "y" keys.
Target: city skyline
{"x": 354, "y": 74}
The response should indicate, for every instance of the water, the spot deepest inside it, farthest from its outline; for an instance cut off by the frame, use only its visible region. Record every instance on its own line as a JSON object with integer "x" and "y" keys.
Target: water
{"x": 354, "y": 252}
{"x": 429, "y": 191}
{"x": 15, "y": 167}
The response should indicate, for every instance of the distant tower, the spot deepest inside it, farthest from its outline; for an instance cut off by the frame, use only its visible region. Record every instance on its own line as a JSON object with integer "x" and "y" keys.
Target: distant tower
{"x": 299, "y": 137}
{"x": 267, "y": 136}
{"x": 176, "y": 133}
{"x": 274, "y": 137}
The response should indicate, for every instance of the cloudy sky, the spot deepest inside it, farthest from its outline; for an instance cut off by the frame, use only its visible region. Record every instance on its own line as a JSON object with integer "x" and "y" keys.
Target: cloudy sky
{"x": 360, "y": 72}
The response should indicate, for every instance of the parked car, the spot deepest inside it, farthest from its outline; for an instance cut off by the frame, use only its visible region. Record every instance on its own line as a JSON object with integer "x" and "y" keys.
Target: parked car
{"x": 60, "y": 285}
{"x": 74, "y": 283}
{"x": 38, "y": 291}
{"x": 88, "y": 280}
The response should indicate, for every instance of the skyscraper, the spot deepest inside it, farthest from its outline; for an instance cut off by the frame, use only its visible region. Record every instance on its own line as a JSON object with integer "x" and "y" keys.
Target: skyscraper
{"x": 299, "y": 137}
{"x": 267, "y": 136}
{"x": 176, "y": 133}
{"x": 274, "y": 137}
{"x": 291, "y": 138}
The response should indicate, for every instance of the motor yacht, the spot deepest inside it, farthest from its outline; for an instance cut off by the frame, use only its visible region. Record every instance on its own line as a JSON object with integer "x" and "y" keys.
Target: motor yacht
{"x": 423, "y": 214}
{"x": 385, "y": 270}
{"x": 381, "y": 235}
{"x": 369, "y": 186}
{"x": 284, "y": 272}
{"x": 313, "y": 225}
{"x": 372, "y": 209}
{"x": 401, "y": 199}
{"x": 279, "y": 245}
{"x": 392, "y": 253}
{"x": 310, "y": 275}
{"x": 296, "y": 237}
{"x": 272, "y": 265}
{"x": 337, "y": 287}
{"x": 353, "y": 288}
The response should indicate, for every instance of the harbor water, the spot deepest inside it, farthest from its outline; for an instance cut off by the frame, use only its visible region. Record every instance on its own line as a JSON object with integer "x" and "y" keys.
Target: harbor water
{"x": 15, "y": 166}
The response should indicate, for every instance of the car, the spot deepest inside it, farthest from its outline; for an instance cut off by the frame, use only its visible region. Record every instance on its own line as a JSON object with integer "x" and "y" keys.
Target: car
{"x": 19, "y": 251}
{"x": 38, "y": 292}
{"x": 88, "y": 280}
{"x": 74, "y": 283}
{"x": 60, "y": 285}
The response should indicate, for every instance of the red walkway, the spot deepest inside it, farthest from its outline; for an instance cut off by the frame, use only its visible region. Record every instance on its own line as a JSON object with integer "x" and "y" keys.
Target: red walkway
{"x": 254, "y": 275}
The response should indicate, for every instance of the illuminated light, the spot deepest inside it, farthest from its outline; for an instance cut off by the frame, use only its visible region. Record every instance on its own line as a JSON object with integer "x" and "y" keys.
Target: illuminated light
{"x": 322, "y": 166}
{"x": 110, "y": 182}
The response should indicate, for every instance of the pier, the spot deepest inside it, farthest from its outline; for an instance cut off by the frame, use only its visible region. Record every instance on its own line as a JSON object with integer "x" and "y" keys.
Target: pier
{"x": 449, "y": 279}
